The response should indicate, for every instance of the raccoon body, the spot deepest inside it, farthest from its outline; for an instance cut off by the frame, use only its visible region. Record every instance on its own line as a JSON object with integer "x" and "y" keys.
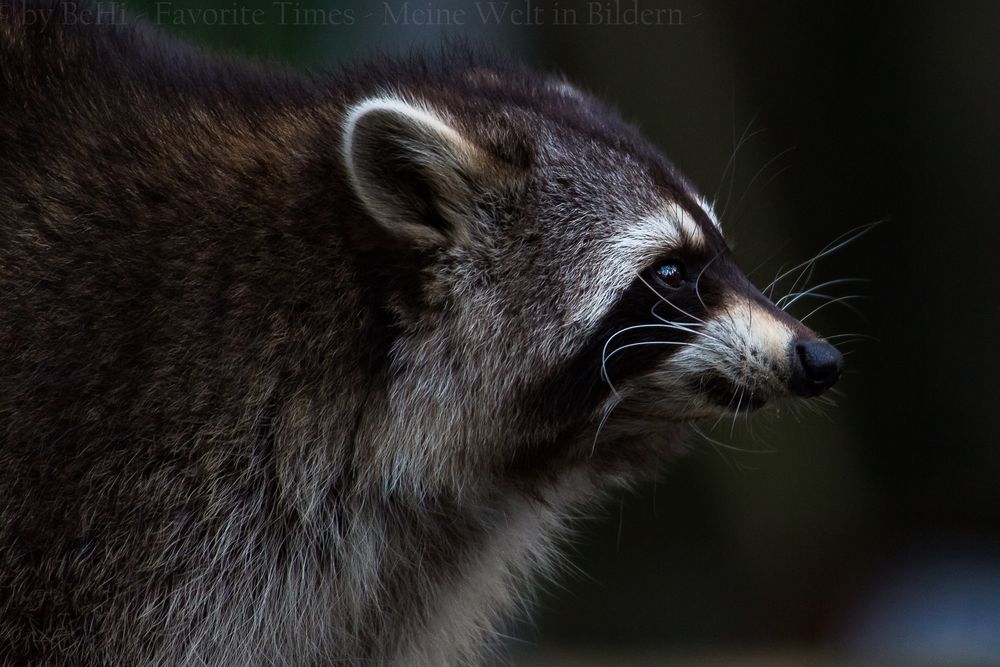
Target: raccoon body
{"x": 313, "y": 370}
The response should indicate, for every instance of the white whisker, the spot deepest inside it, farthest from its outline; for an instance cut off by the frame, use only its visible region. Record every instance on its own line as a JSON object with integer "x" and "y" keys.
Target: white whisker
{"x": 604, "y": 420}
{"x": 648, "y": 343}
{"x": 841, "y": 300}
{"x": 731, "y": 163}
{"x": 795, "y": 296}
{"x": 837, "y": 244}
{"x": 760, "y": 172}
{"x": 670, "y": 303}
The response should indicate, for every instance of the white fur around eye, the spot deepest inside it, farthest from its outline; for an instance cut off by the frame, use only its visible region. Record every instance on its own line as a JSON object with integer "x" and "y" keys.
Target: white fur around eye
{"x": 640, "y": 243}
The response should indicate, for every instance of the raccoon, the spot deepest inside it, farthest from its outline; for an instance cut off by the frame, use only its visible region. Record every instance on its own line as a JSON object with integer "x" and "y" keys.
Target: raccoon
{"x": 314, "y": 369}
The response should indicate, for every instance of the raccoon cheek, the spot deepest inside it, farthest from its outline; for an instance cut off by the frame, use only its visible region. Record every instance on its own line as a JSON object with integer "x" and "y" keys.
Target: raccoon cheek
{"x": 415, "y": 175}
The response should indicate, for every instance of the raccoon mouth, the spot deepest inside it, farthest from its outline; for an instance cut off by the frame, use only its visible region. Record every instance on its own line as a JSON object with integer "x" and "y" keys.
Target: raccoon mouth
{"x": 732, "y": 395}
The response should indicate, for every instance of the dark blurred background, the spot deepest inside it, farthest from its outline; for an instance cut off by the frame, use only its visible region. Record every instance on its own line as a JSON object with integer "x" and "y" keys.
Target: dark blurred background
{"x": 868, "y": 533}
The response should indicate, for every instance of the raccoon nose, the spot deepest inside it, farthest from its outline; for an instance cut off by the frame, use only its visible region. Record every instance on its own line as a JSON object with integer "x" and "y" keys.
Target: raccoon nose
{"x": 816, "y": 365}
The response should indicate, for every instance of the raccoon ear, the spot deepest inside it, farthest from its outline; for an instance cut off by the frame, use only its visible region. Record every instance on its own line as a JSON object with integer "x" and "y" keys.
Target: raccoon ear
{"x": 415, "y": 174}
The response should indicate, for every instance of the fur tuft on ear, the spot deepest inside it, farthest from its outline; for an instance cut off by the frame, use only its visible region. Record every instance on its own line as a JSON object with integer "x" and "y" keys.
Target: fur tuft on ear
{"x": 415, "y": 174}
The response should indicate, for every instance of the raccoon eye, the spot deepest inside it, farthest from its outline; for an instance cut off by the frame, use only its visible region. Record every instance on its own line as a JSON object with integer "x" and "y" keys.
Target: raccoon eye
{"x": 670, "y": 274}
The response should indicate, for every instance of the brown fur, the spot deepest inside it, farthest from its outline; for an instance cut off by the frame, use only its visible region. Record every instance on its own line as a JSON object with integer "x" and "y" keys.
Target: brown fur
{"x": 244, "y": 418}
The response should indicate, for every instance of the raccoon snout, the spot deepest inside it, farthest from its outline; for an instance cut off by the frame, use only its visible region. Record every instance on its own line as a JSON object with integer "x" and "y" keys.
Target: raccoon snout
{"x": 816, "y": 365}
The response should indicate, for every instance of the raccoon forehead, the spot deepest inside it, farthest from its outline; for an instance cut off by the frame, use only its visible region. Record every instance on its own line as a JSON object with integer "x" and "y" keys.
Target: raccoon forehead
{"x": 709, "y": 208}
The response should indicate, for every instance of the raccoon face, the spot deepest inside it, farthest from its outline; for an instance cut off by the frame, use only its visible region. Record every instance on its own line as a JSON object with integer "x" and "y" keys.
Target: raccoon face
{"x": 732, "y": 349}
{"x": 558, "y": 264}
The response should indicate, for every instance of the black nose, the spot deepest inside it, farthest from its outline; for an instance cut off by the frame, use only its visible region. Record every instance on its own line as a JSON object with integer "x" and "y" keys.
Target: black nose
{"x": 816, "y": 365}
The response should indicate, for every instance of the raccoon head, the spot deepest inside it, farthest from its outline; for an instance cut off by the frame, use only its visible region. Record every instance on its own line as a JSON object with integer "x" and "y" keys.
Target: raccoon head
{"x": 544, "y": 264}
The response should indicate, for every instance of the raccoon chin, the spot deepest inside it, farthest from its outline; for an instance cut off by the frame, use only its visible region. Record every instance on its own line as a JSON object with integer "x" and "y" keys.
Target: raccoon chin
{"x": 732, "y": 395}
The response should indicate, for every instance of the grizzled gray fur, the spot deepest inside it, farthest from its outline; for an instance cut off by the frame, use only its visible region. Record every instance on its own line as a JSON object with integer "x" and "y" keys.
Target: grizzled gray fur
{"x": 301, "y": 370}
